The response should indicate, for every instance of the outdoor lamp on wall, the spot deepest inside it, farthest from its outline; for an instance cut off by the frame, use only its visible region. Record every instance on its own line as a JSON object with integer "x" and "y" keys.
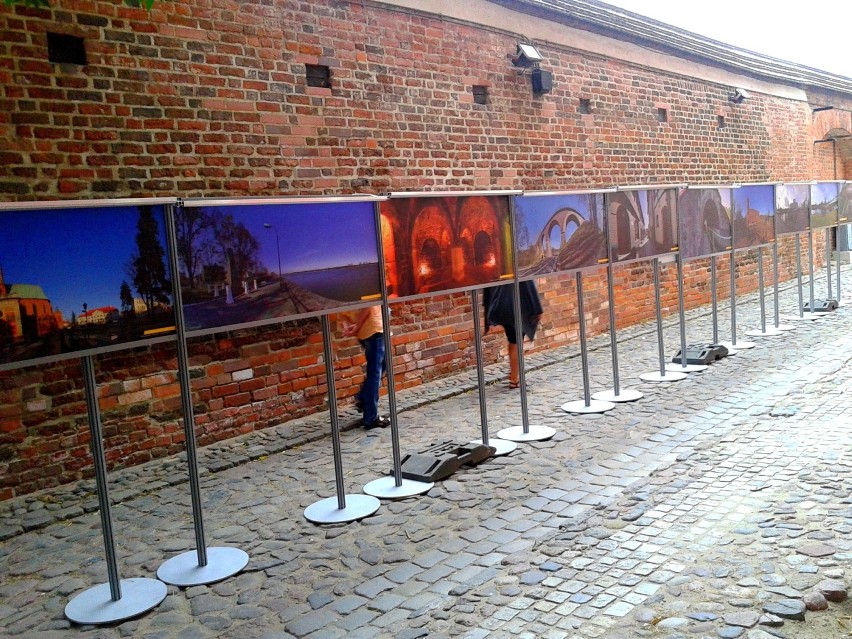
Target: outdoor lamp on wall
{"x": 526, "y": 56}
{"x": 739, "y": 96}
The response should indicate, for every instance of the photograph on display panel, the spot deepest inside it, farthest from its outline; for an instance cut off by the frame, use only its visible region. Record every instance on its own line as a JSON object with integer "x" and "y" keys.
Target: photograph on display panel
{"x": 824, "y": 196}
{"x": 792, "y": 208}
{"x": 559, "y": 232}
{"x": 705, "y": 222}
{"x": 641, "y": 223}
{"x": 844, "y": 203}
{"x": 435, "y": 244}
{"x": 256, "y": 262}
{"x": 82, "y": 280}
{"x": 753, "y": 215}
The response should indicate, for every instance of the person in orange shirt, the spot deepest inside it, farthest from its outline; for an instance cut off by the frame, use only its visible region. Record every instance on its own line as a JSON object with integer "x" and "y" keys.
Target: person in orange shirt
{"x": 368, "y": 328}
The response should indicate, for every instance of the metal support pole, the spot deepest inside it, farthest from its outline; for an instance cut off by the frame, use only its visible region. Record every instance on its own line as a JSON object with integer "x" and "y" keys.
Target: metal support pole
{"x": 714, "y": 302}
{"x": 777, "y": 309}
{"x": 587, "y": 405}
{"x": 501, "y": 446}
{"x": 662, "y": 375}
{"x": 684, "y": 366}
{"x": 192, "y": 569}
{"x": 811, "y": 266}
{"x": 734, "y": 344}
{"x": 763, "y": 331}
{"x": 338, "y": 509}
{"x": 828, "y": 262}
{"x": 118, "y": 599}
{"x": 799, "y": 275}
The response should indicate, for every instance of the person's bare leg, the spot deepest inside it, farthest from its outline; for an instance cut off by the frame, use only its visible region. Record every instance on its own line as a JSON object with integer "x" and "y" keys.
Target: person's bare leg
{"x": 514, "y": 371}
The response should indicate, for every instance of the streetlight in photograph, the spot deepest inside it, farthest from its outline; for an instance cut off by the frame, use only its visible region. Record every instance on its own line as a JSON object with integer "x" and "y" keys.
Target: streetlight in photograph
{"x": 266, "y": 225}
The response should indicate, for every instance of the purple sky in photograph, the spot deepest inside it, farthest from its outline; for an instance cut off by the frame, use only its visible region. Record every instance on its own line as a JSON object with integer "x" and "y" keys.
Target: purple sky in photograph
{"x": 537, "y": 210}
{"x": 75, "y": 255}
{"x": 311, "y": 236}
{"x": 760, "y": 198}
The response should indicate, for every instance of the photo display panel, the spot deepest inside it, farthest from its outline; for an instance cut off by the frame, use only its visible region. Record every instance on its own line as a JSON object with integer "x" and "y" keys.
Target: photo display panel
{"x": 824, "y": 196}
{"x": 705, "y": 221}
{"x": 559, "y": 232}
{"x": 792, "y": 208}
{"x": 753, "y": 215}
{"x": 82, "y": 279}
{"x": 251, "y": 263}
{"x": 844, "y": 203}
{"x": 445, "y": 243}
{"x": 641, "y": 223}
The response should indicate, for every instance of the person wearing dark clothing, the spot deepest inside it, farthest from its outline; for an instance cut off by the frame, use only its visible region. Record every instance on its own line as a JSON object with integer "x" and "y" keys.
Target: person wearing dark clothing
{"x": 498, "y": 302}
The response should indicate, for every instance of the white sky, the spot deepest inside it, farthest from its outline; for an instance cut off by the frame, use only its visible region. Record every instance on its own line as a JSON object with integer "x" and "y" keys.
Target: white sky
{"x": 817, "y": 33}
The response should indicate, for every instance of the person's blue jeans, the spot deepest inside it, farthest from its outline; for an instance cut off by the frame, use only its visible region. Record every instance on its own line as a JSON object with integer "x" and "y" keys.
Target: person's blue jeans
{"x": 374, "y": 351}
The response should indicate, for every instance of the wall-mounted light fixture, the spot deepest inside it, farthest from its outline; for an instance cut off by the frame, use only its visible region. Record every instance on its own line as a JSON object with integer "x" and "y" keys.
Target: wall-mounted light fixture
{"x": 526, "y": 56}
{"x": 739, "y": 96}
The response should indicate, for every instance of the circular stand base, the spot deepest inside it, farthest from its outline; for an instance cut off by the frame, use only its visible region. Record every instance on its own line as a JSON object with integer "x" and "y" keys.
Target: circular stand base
{"x": 501, "y": 446}
{"x": 668, "y": 376}
{"x": 732, "y": 350}
{"x": 183, "y": 569}
{"x": 804, "y": 317}
{"x": 624, "y": 395}
{"x": 784, "y": 327}
{"x": 594, "y": 406}
{"x": 386, "y": 488}
{"x": 770, "y": 331}
{"x": 535, "y": 433}
{"x": 327, "y": 511}
{"x": 95, "y": 605}
{"x": 842, "y": 303}
{"x": 739, "y": 346}
{"x": 689, "y": 368}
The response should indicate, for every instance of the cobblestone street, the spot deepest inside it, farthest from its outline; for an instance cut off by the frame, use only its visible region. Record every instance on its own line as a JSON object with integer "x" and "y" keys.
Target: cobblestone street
{"x": 713, "y": 507}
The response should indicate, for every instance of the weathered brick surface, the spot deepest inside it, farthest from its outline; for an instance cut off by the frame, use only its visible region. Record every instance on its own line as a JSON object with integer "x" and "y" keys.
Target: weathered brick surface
{"x": 207, "y": 99}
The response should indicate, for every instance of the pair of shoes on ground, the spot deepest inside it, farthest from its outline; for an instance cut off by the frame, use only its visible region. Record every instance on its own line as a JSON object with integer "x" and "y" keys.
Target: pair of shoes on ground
{"x": 514, "y": 385}
{"x": 381, "y": 422}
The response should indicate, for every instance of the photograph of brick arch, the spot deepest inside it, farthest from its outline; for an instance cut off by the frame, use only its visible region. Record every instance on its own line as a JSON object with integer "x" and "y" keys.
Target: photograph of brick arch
{"x": 79, "y": 281}
{"x": 559, "y": 232}
{"x": 824, "y": 196}
{"x": 753, "y": 215}
{"x": 641, "y": 223}
{"x": 434, "y": 244}
{"x": 844, "y": 203}
{"x": 792, "y": 208}
{"x": 257, "y": 262}
{"x": 705, "y": 221}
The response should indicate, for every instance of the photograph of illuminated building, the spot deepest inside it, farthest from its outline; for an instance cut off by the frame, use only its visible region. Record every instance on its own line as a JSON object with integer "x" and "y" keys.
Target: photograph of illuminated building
{"x": 434, "y": 244}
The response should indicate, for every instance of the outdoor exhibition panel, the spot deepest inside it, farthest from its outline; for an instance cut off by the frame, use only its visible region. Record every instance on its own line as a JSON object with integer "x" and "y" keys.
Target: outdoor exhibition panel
{"x": 257, "y": 261}
{"x": 81, "y": 278}
{"x": 78, "y": 278}
{"x": 844, "y": 212}
{"x": 642, "y": 224}
{"x": 561, "y": 232}
{"x": 705, "y": 230}
{"x": 254, "y": 261}
{"x": 792, "y": 217}
{"x": 825, "y": 209}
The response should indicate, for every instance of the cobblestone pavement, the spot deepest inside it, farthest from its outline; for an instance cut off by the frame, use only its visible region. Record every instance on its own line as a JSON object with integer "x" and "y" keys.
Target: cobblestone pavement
{"x": 713, "y": 507}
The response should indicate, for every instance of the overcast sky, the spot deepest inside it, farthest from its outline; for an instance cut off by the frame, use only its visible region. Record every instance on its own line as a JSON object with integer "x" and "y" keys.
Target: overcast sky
{"x": 817, "y": 34}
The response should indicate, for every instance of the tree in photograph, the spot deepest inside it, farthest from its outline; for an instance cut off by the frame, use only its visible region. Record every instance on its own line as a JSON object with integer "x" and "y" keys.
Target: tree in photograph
{"x": 148, "y": 266}
{"x": 126, "y": 296}
{"x": 191, "y": 223}
{"x": 236, "y": 246}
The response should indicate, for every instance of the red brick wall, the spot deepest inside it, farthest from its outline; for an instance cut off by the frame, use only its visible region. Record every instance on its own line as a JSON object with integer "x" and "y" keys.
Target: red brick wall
{"x": 204, "y": 99}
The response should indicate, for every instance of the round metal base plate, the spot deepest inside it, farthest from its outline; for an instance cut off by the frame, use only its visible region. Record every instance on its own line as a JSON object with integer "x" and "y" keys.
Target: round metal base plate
{"x": 326, "y": 511}
{"x": 739, "y": 346}
{"x": 804, "y": 317}
{"x": 535, "y": 434}
{"x": 784, "y": 328}
{"x": 386, "y": 488}
{"x": 502, "y": 446}
{"x": 668, "y": 376}
{"x": 594, "y": 406}
{"x": 95, "y": 605}
{"x": 183, "y": 570}
{"x": 624, "y": 395}
{"x": 770, "y": 331}
{"x": 689, "y": 368}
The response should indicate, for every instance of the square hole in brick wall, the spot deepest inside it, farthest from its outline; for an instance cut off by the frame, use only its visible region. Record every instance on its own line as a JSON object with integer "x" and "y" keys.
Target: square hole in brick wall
{"x": 720, "y": 121}
{"x": 662, "y": 115}
{"x": 585, "y": 105}
{"x": 318, "y": 75}
{"x": 480, "y": 94}
{"x": 66, "y": 49}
